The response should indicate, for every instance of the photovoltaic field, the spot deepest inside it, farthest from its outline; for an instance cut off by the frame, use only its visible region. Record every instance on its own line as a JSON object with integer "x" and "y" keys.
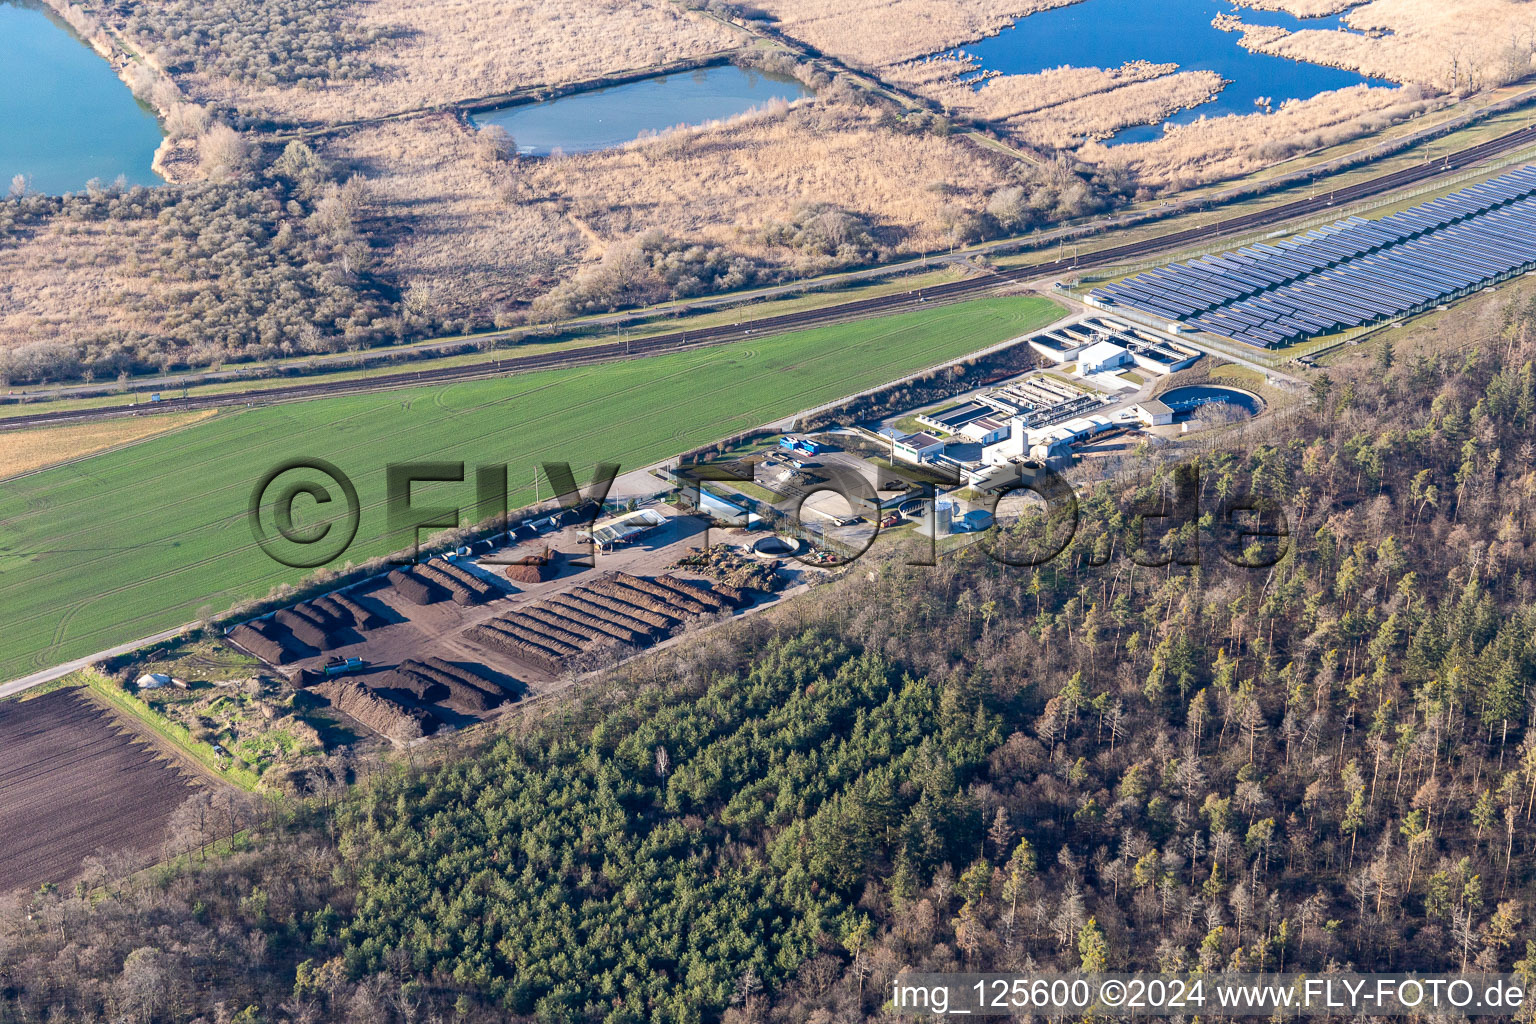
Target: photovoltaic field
{"x": 134, "y": 541}
{"x": 1351, "y": 273}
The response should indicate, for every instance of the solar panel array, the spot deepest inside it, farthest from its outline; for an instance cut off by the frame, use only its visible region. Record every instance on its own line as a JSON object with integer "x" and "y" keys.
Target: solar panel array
{"x": 1350, "y": 273}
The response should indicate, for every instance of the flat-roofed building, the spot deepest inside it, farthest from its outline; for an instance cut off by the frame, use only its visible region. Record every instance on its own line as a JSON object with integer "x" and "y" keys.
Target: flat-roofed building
{"x": 920, "y": 447}
{"x": 985, "y": 429}
{"x": 1153, "y": 413}
{"x": 1101, "y": 356}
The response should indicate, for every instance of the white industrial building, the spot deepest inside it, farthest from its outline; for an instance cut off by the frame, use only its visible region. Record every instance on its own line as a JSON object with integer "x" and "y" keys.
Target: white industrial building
{"x": 1059, "y": 347}
{"x": 986, "y": 429}
{"x": 1153, "y": 413}
{"x": 1082, "y": 340}
{"x": 1051, "y": 445}
{"x": 1102, "y": 356}
{"x": 918, "y": 448}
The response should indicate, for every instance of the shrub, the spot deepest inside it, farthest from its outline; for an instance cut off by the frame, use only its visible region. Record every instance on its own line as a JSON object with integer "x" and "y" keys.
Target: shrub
{"x": 260, "y": 42}
{"x": 272, "y": 264}
{"x": 645, "y": 269}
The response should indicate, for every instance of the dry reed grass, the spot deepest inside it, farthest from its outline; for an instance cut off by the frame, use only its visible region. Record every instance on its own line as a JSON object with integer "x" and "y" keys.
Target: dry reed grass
{"x": 876, "y": 33}
{"x": 1211, "y": 149}
{"x": 70, "y": 280}
{"x": 462, "y": 230}
{"x": 1454, "y": 47}
{"x": 462, "y": 49}
{"x": 1436, "y": 46}
{"x": 1069, "y": 125}
{"x": 28, "y": 450}
{"x": 726, "y": 183}
{"x": 474, "y": 238}
{"x": 469, "y": 237}
{"x": 1061, "y": 108}
{"x": 1004, "y": 96}
{"x": 1300, "y": 8}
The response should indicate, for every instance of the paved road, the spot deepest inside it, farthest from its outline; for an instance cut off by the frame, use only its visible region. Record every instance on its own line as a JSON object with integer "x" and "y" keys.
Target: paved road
{"x": 48, "y": 675}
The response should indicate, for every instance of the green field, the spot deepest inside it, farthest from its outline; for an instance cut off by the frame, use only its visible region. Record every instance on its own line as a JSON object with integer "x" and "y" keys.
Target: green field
{"x": 131, "y": 542}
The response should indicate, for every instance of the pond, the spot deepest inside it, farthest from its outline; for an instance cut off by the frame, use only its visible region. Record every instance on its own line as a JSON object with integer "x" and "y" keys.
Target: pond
{"x": 1109, "y": 33}
{"x": 604, "y": 118}
{"x": 65, "y": 116}
{"x": 1185, "y": 400}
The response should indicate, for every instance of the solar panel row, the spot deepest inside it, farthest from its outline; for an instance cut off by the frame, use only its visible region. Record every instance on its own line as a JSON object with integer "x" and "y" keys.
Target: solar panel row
{"x": 1349, "y": 273}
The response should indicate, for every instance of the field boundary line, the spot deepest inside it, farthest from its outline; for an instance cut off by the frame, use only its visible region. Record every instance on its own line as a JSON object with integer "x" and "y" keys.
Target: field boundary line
{"x": 203, "y": 416}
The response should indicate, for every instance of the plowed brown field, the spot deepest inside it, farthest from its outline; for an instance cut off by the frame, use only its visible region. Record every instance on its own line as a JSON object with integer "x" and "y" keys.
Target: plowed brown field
{"x": 74, "y": 782}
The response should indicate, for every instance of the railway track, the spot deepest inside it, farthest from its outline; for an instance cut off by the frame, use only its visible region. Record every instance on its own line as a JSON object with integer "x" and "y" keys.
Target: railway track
{"x": 854, "y": 310}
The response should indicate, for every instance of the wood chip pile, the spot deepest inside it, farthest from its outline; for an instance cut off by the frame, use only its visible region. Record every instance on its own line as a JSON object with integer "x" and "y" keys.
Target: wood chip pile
{"x": 264, "y": 647}
{"x": 483, "y": 590}
{"x": 362, "y": 617}
{"x": 304, "y": 629}
{"x": 533, "y": 568}
{"x": 435, "y": 681}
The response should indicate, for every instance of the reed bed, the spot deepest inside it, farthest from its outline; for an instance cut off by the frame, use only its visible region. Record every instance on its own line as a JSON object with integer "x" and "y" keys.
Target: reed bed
{"x": 876, "y": 33}
{"x": 441, "y": 51}
{"x": 1005, "y": 96}
{"x": 1456, "y": 47}
{"x": 1070, "y": 125}
{"x": 1223, "y": 147}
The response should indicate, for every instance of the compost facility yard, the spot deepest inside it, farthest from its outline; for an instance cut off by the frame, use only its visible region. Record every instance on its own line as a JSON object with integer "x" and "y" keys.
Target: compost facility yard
{"x": 75, "y": 781}
{"x": 445, "y": 643}
{"x": 177, "y": 540}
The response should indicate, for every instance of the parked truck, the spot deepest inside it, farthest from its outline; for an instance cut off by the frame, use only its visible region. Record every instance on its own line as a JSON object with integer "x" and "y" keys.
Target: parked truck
{"x": 339, "y": 666}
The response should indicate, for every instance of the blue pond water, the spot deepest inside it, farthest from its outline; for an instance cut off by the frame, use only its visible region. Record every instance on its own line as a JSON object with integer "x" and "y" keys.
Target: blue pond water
{"x": 65, "y": 116}
{"x": 1108, "y": 33}
{"x": 604, "y": 118}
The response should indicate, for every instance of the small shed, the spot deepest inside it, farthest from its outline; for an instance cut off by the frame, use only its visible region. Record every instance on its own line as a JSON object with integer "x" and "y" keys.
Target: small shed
{"x": 1154, "y": 413}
